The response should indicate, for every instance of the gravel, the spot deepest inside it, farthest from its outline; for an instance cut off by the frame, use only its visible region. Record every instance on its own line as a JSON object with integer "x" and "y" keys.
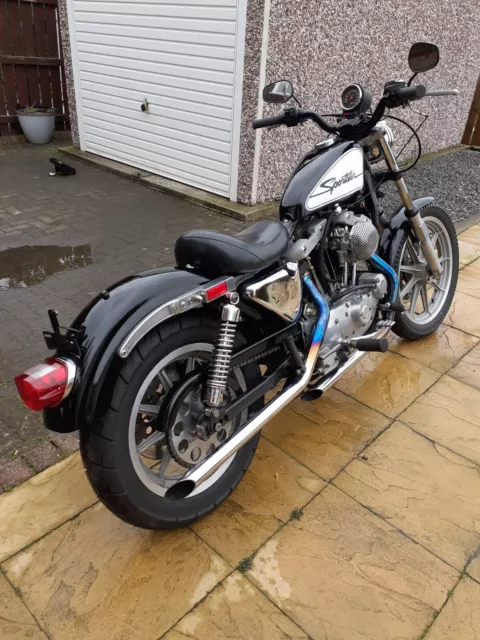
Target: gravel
{"x": 453, "y": 180}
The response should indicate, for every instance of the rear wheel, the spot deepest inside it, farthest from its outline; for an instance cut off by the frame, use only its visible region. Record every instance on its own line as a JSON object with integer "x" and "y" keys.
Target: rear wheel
{"x": 148, "y": 439}
{"x": 426, "y": 299}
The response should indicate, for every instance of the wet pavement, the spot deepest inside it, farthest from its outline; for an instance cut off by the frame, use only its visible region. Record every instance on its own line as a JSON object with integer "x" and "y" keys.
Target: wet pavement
{"x": 24, "y": 266}
{"x": 63, "y": 239}
{"x": 358, "y": 518}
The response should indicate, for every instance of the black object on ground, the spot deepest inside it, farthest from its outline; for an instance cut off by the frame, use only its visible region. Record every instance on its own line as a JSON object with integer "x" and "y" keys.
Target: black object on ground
{"x": 61, "y": 168}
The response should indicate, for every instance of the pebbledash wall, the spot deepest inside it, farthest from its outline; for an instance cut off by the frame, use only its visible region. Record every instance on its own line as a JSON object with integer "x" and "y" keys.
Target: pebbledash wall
{"x": 324, "y": 45}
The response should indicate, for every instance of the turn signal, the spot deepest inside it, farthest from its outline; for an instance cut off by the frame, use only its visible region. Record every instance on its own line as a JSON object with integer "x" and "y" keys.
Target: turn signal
{"x": 46, "y": 384}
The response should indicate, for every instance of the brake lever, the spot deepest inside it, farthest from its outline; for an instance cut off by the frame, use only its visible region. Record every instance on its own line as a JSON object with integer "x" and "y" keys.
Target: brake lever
{"x": 424, "y": 115}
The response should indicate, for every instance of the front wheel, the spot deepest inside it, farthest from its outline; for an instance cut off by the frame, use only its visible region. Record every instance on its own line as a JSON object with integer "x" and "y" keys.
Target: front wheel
{"x": 426, "y": 299}
{"x": 148, "y": 438}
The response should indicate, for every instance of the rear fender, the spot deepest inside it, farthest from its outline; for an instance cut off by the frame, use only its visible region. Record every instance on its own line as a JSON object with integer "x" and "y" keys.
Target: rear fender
{"x": 392, "y": 236}
{"x": 113, "y": 323}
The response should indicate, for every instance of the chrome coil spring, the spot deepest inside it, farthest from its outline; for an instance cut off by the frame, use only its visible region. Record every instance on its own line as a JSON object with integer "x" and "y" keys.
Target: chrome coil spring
{"x": 219, "y": 368}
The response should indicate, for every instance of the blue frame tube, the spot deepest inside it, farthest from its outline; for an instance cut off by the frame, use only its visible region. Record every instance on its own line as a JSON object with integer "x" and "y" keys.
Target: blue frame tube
{"x": 323, "y": 308}
{"x": 388, "y": 271}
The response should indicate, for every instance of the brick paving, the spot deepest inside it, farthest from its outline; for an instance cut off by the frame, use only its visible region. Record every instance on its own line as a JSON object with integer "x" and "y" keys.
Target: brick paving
{"x": 126, "y": 228}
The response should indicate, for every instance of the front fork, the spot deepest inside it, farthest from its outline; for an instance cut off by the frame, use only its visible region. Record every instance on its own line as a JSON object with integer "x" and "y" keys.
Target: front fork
{"x": 418, "y": 225}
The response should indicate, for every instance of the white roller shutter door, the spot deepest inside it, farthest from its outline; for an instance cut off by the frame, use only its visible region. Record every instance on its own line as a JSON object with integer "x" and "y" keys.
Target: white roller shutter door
{"x": 186, "y": 58}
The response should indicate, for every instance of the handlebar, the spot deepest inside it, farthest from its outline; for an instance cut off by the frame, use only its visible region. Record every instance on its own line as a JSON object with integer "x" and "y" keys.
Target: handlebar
{"x": 269, "y": 122}
{"x": 394, "y": 96}
{"x": 293, "y": 116}
{"x": 405, "y": 94}
{"x": 442, "y": 92}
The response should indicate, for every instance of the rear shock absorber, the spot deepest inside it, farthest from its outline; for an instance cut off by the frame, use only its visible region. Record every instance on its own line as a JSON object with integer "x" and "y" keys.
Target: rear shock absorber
{"x": 219, "y": 368}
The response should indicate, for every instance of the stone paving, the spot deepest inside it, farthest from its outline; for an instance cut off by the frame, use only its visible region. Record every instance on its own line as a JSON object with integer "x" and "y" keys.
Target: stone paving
{"x": 359, "y": 518}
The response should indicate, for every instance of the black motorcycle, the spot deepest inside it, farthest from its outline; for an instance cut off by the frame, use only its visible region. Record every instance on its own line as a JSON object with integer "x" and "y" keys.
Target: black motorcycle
{"x": 165, "y": 373}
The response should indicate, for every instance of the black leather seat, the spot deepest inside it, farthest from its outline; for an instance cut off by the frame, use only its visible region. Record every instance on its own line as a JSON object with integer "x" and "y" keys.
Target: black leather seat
{"x": 215, "y": 254}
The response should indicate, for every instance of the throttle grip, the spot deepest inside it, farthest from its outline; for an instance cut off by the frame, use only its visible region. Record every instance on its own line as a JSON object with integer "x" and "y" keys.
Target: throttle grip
{"x": 268, "y": 122}
{"x": 411, "y": 93}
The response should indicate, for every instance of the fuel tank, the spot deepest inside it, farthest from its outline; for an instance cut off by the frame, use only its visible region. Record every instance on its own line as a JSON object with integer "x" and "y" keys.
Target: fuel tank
{"x": 322, "y": 179}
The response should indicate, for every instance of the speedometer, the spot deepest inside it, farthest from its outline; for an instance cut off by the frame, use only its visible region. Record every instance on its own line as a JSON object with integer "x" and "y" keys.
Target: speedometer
{"x": 352, "y": 97}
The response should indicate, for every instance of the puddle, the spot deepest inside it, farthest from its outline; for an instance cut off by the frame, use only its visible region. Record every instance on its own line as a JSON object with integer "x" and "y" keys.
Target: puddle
{"x": 23, "y": 266}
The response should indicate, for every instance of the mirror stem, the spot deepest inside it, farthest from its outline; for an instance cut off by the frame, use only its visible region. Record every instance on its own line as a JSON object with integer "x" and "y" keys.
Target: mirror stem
{"x": 412, "y": 79}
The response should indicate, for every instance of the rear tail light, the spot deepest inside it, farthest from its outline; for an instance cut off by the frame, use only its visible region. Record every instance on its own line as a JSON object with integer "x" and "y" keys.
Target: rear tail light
{"x": 46, "y": 384}
{"x": 216, "y": 291}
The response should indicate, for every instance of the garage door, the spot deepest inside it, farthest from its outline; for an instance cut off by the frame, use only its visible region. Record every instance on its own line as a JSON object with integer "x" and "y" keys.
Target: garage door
{"x": 185, "y": 58}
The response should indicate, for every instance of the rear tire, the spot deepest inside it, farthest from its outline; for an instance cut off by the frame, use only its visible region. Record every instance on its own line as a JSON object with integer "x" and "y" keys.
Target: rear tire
{"x": 412, "y": 325}
{"x": 106, "y": 444}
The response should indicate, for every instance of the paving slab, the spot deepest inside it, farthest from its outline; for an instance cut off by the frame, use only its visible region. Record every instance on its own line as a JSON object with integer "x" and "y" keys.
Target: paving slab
{"x": 16, "y": 622}
{"x": 473, "y": 568}
{"x": 272, "y": 488}
{"x": 342, "y": 572}
{"x": 468, "y": 252}
{"x": 45, "y": 501}
{"x": 439, "y": 351}
{"x": 469, "y": 279}
{"x": 326, "y": 434}
{"x": 387, "y": 382}
{"x": 468, "y": 369}
{"x": 425, "y": 490}
{"x": 471, "y": 235}
{"x": 460, "y": 617}
{"x": 238, "y": 611}
{"x": 97, "y": 577}
{"x": 464, "y": 314}
{"x": 449, "y": 413}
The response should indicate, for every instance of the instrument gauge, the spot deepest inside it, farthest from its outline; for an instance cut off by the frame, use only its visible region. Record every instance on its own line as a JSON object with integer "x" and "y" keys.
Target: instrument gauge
{"x": 352, "y": 97}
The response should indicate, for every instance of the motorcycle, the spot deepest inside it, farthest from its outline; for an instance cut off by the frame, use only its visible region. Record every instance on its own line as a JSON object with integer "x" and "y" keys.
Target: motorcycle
{"x": 165, "y": 373}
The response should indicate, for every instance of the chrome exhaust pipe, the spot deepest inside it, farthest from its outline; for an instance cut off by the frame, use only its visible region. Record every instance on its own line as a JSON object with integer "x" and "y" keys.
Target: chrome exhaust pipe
{"x": 317, "y": 391}
{"x": 199, "y": 474}
{"x": 184, "y": 487}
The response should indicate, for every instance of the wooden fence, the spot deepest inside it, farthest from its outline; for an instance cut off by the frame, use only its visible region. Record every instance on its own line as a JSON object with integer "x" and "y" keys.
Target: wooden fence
{"x": 472, "y": 130}
{"x": 31, "y": 65}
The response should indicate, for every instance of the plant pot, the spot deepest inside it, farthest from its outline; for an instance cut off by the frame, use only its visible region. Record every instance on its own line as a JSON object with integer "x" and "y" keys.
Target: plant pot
{"x": 37, "y": 126}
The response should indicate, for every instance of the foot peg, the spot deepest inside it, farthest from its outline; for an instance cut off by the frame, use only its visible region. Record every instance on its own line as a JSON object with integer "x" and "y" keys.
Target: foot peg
{"x": 395, "y": 306}
{"x": 369, "y": 344}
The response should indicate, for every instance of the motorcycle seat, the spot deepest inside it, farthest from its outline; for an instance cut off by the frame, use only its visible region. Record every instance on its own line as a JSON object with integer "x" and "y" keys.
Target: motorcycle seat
{"x": 216, "y": 254}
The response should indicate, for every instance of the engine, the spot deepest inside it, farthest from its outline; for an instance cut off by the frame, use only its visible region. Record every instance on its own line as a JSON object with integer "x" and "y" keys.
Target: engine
{"x": 351, "y": 317}
{"x": 353, "y": 237}
{"x": 355, "y": 292}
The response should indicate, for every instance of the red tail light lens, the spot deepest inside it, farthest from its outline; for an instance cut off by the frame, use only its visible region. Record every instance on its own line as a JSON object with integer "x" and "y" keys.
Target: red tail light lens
{"x": 46, "y": 384}
{"x": 216, "y": 291}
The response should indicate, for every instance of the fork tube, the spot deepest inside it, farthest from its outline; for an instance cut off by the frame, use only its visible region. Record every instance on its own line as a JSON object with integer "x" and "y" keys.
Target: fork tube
{"x": 419, "y": 227}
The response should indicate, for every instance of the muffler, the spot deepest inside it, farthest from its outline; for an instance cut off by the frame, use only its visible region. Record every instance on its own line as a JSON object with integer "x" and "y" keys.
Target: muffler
{"x": 199, "y": 474}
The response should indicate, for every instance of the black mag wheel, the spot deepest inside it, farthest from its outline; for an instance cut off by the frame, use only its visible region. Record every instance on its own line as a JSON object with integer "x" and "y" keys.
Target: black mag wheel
{"x": 426, "y": 299}
{"x": 147, "y": 440}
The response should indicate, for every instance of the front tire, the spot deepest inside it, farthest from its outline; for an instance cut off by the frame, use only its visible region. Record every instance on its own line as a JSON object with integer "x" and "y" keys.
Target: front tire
{"x": 127, "y": 485}
{"x": 426, "y": 300}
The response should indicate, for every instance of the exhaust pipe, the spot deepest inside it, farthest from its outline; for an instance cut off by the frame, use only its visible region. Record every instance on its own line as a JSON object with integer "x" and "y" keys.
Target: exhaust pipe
{"x": 317, "y": 391}
{"x": 199, "y": 474}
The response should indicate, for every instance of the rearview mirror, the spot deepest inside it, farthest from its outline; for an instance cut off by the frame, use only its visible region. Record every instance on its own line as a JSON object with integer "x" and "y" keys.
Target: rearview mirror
{"x": 423, "y": 56}
{"x": 280, "y": 91}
